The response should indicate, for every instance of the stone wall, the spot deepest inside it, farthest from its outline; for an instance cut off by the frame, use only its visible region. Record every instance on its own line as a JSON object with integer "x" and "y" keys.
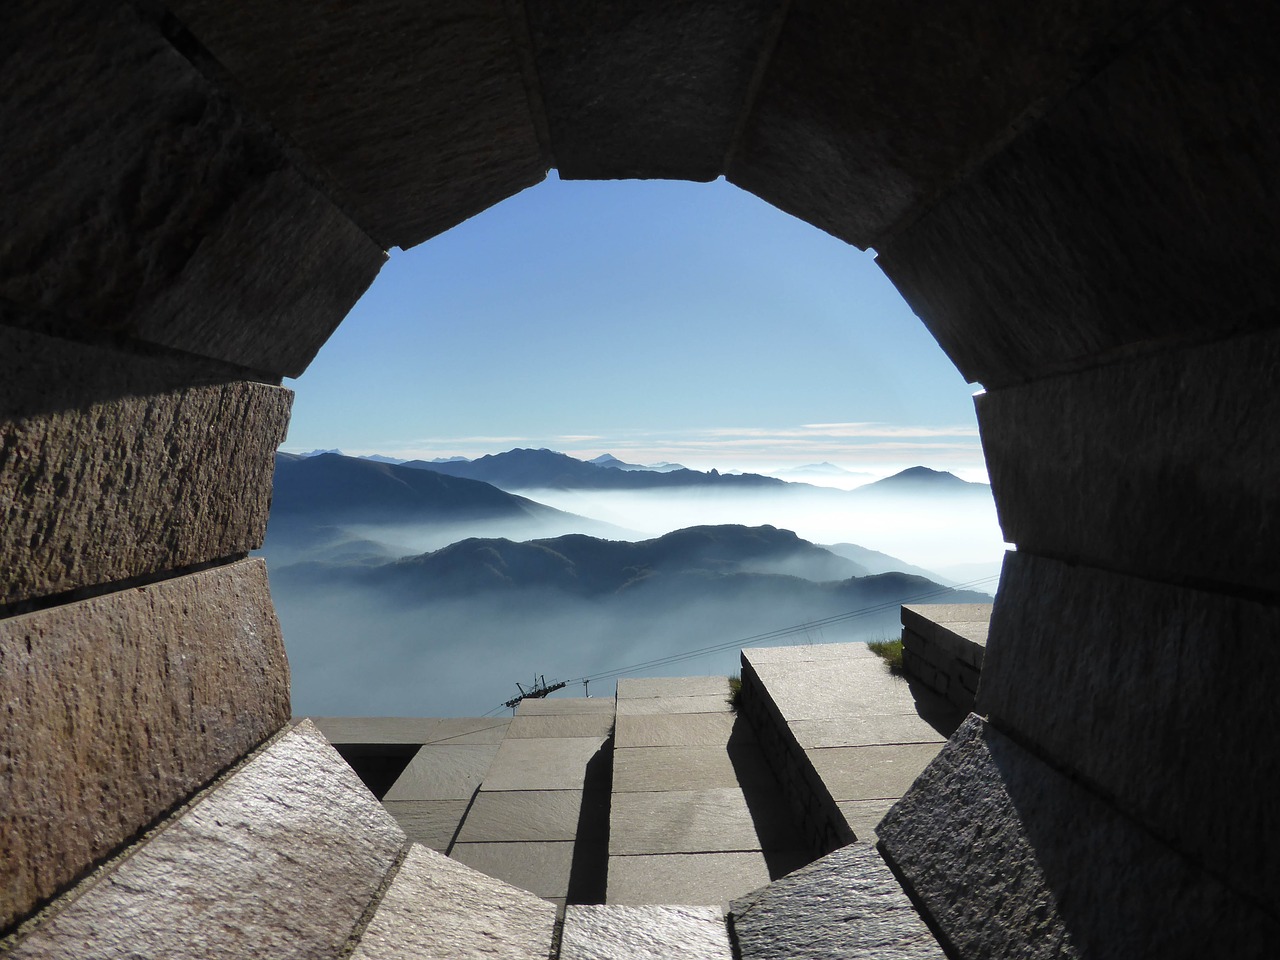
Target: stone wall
{"x": 1079, "y": 200}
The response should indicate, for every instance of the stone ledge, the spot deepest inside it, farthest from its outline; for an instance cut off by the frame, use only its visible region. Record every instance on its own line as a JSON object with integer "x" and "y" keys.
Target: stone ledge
{"x": 120, "y": 708}
{"x": 644, "y": 933}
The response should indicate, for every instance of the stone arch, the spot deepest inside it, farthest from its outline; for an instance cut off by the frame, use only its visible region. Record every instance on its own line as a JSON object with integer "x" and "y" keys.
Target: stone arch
{"x": 1080, "y": 205}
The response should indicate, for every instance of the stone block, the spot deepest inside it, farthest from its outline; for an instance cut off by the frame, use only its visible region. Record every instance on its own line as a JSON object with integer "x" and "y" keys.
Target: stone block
{"x": 960, "y": 629}
{"x": 710, "y": 879}
{"x": 639, "y": 769}
{"x": 1010, "y": 858}
{"x": 285, "y": 855}
{"x": 431, "y": 823}
{"x": 513, "y": 815}
{"x": 681, "y": 730}
{"x": 1163, "y": 466}
{"x": 630, "y": 688}
{"x": 122, "y": 706}
{"x": 612, "y": 932}
{"x": 847, "y": 905}
{"x": 872, "y": 730}
{"x": 547, "y": 764}
{"x": 449, "y": 731}
{"x": 643, "y": 89}
{"x": 644, "y": 706}
{"x": 565, "y": 706}
{"x": 112, "y": 467}
{"x": 820, "y": 690}
{"x": 416, "y": 117}
{"x": 444, "y": 772}
{"x": 541, "y": 868}
{"x": 807, "y": 652}
{"x": 696, "y": 821}
{"x": 436, "y": 907}
{"x": 867, "y": 111}
{"x": 1163, "y": 697}
{"x": 871, "y": 773}
{"x": 1131, "y": 213}
{"x": 595, "y": 725}
{"x": 139, "y": 199}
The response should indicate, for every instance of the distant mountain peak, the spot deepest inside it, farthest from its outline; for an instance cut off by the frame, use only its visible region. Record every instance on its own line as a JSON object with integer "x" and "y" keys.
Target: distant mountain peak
{"x": 920, "y": 478}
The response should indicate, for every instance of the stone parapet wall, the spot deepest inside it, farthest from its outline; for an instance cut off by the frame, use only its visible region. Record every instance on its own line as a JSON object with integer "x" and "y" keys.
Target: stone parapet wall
{"x": 943, "y": 646}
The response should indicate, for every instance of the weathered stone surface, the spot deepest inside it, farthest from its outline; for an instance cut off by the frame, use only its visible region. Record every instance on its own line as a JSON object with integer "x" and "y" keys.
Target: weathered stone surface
{"x": 630, "y": 688}
{"x": 807, "y": 652}
{"x": 1164, "y": 466}
{"x": 111, "y": 468}
{"x": 122, "y": 706}
{"x": 871, "y": 730}
{"x": 437, "y": 907}
{"x": 846, "y": 905}
{"x": 595, "y": 725}
{"x": 448, "y": 731}
{"x": 139, "y": 199}
{"x": 444, "y": 772}
{"x": 564, "y": 706}
{"x": 417, "y": 117}
{"x": 637, "y": 769}
{"x": 874, "y": 772}
{"x": 820, "y": 690}
{"x": 641, "y": 706}
{"x": 541, "y": 868}
{"x": 868, "y": 110}
{"x": 508, "y": 815}
{"x": 284, "y": 856}
{"x": 1163, "y": 697}
{"x": 694, "y": 821}
{"x": 1012, "y": 859}
{"x": 711, "y": 879}
{"x": 958, "y": 628}
{"x": 635, "y": 933}
{"x": 681, "y": 730}
{"x": 549, "y": 764}
{"x": 644, "y": 89}
{"x": 1129, "y": 214}
{"x": 431, "y": 823}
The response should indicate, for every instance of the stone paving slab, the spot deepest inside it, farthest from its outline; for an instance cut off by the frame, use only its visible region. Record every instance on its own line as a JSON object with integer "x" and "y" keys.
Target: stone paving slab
{"x": 552, "y": 763}
{"x": 596, "y": 725}
{"x": 445, "y": 731}
{"x": 600, "y": 932}
{"x": 681, "y": 730}
{"x": 285, "y": 855}
{"x": 638, "y": 769}
{"x": 847, "y": 905}
{"x": 444, "y": 772}
{"x": 1013, "y": 859}
{"x": 511, "y": 815}
{"x": 843, "y": 688}
{"x": 437, "y": 907}
{"x": 875, "y": 729}
{"x": 863, "y": 816}
{"x": 694, "y": 821}
{"x": 541, "y": 868}
{"x": 871, "y": 773}
{"x": 564, "y": 706}
{"x": 641, "y": 706}
{"x": 431, "y": 823}
{"x": 711, "y": 879}
{"x": 810, "y": 652}
{"x": 630, "y": 688}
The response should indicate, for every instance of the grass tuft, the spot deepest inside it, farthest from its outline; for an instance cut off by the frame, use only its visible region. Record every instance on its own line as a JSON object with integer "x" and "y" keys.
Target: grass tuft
{"x": 734, "y": 699}
{"x": 890, "y": 651}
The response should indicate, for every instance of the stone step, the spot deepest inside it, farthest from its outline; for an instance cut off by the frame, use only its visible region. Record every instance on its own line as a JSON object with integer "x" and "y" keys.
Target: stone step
{"x": 437, "y": 907}
{"x": 281, "y": 858}
{"x": 644, "y": 933}
{"x": 846, "y": 905}
{"x": 844, "y": 736}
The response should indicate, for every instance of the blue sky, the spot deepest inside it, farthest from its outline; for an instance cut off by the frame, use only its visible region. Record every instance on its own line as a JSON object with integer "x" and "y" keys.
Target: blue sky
{"x": 656, "y": 320}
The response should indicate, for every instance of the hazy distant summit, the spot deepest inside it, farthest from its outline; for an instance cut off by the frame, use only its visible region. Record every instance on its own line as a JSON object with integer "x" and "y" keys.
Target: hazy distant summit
{"x": 524, "y": 469}
{"x": 922, "y": 480}
{"x": 609, "y": 460}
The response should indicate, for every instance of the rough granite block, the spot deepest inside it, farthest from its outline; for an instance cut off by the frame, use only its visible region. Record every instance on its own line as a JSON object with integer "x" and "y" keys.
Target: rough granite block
{"x": 112, "y": 468}
{"x": 846, "y": 906}
{"x": 1011, "y": 859}
{"x": 436, "y": 907}
{"x": 139, "y": 199}
{"x": 711, "y": 879}
{"x": 1163, "y": 466}
{"x": 1133, "y": 212}
{"x": 121, "y": 707}
{"x": 284, "y": 856}
{"x": 868, "y": 110}
{"x": 612, "y": 932}
{"x": 646, "y": 89}
{"x": 1162, "y": 696}
{"x": 415, "y": 116}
